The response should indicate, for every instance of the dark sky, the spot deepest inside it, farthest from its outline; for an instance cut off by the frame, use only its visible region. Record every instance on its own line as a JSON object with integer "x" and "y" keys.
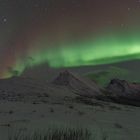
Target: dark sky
{"x": 26, "y": 26}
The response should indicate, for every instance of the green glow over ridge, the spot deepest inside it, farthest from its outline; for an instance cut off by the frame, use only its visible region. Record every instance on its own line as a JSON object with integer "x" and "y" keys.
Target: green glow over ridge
{"x": 104, "y": 50}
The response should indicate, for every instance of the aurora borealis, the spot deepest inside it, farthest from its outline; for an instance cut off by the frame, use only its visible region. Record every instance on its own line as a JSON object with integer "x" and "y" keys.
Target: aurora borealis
{"x": 108, "y": 50}
{"x": 67, "y": 34}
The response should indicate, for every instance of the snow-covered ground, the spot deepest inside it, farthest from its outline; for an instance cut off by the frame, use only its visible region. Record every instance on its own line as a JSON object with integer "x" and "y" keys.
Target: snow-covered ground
{"x": 117, "y": 122}
{"x": 27, "y": 106}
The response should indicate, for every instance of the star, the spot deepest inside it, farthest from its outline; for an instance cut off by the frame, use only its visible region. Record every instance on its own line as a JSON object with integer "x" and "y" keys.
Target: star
{"x": 122, "y": 25}
{"x": 4, "y": 19}
{"x": 128, "y": 8}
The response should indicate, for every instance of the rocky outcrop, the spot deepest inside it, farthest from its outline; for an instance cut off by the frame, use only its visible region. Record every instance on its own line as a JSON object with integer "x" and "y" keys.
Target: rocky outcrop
{"x": 79, "y": 85}
{"x": 124, "y": 92}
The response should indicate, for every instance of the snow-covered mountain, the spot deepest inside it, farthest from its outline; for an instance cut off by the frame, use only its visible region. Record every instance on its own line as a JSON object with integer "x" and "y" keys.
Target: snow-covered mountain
{"x": 77, "y": 84}
{"x": 68, "y": 84}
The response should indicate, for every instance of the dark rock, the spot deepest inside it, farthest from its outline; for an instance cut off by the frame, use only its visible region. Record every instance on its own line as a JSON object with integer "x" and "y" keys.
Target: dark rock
{"x": 124, "y": 92}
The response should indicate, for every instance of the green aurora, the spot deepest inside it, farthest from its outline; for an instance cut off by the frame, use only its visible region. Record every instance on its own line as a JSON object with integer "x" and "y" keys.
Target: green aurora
{"x": 105, "y": 50}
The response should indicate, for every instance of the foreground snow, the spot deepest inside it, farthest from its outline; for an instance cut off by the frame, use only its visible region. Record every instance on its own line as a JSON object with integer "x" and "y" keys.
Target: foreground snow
{"x": 117, "y": 122}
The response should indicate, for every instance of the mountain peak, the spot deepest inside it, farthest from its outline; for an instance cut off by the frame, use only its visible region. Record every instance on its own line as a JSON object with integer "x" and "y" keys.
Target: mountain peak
{"x": 64, "y": 78}
{"x": 78, "y": 84}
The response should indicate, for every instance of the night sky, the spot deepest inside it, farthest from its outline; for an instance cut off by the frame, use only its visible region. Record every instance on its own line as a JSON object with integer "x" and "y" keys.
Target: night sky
{"x": 67, "y": 33}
